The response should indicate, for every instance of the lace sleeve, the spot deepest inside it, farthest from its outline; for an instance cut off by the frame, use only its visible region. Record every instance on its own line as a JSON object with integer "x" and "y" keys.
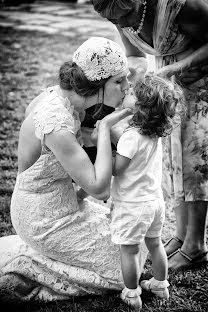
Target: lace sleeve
{"x": 53, "y": 116}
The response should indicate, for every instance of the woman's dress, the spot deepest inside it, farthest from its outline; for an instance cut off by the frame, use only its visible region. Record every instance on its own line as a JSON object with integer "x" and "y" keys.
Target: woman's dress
{"x": 62, "y": 249}
{"x": 185, "y": 171}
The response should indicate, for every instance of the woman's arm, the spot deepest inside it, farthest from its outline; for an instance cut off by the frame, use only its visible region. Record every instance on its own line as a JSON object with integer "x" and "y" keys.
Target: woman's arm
{"x": 193, "y": 21}
{"x": 195, "y": 59}
{"x": 94, "y": 179}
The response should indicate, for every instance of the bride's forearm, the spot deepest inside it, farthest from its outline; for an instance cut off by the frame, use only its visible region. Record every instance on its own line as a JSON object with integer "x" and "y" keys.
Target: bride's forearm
{"x": 103, "y": 162}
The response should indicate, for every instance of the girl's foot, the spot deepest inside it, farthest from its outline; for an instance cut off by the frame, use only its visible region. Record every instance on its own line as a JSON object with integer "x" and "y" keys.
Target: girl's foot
{"x": 173, "y": 244}
{"x": 132, "y": 297}
{"x": 159, "y": 288}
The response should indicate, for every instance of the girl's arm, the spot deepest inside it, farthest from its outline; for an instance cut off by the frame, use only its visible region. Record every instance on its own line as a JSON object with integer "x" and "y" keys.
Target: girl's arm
{"x": 127, "y": 147}
{"x": 93, "y": 179}
{"x": 120, "y": 163}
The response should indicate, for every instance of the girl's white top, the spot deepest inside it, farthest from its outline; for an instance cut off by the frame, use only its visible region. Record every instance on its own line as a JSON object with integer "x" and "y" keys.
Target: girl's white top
{"x": 141, "y": 181}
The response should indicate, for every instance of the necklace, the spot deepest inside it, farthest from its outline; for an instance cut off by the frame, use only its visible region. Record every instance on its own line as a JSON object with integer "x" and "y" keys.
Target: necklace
{"x": 136, "y": 32}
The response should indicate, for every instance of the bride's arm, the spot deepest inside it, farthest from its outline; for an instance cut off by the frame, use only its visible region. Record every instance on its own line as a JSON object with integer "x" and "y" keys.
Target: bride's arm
{"x": 93, "y": 179}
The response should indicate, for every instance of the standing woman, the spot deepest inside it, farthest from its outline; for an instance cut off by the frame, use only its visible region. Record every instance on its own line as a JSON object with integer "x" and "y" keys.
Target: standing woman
{"x": 62, "y": 247}
{"x": 175, "y": 31}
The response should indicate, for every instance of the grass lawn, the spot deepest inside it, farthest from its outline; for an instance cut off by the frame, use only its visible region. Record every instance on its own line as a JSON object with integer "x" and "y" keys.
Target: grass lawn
{"x": 29, "y": 62}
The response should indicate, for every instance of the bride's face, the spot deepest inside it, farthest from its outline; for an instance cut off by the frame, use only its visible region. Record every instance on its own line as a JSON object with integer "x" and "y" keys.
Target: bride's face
{"x": 115, "y": 89}
{"x": 125, "y": 17}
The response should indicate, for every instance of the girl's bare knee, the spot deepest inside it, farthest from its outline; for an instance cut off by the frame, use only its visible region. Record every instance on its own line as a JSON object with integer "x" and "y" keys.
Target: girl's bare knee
{"x": 152, "y": 242}
{"x": 130, "y": 249}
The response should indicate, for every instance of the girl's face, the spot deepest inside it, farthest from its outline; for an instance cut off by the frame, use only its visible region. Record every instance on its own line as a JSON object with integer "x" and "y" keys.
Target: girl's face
{"x": 124, "y": 17}
{"x": 130, "y": 100}
{"x": 115, "y": 89}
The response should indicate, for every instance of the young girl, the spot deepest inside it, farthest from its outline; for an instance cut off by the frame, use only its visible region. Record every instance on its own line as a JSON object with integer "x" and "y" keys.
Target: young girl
{"x": 138, "y": 209}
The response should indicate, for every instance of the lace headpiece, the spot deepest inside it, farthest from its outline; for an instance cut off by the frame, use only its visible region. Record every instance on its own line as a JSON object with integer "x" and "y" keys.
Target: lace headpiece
{"x": 100, "y": 58}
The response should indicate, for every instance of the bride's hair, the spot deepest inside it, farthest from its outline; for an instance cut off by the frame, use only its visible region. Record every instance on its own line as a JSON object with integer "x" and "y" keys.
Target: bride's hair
{"x": 72, "y": 77}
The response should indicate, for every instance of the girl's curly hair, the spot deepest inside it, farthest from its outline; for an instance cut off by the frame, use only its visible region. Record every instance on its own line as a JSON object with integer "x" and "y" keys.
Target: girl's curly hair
{"x": 160, "y": 106}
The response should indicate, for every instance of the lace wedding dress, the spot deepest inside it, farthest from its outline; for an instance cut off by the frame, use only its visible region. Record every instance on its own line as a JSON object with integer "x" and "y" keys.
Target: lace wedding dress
{"x": 62, "y": 249}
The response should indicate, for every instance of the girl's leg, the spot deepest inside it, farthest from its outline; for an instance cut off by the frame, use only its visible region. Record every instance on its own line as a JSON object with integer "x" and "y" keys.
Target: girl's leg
{"x": 158, "y": 284}
{"x": 129, "y": 265}
{"x": 159, "y": 258}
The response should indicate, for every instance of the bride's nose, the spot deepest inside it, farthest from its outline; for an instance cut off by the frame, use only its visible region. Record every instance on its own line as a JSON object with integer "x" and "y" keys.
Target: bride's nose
{"x": 126, "y": 86}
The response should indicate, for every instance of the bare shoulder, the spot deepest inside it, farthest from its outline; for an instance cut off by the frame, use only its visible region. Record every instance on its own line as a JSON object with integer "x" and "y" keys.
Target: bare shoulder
{"x": 193, "y": 18}
{"x": 34, "y": 102}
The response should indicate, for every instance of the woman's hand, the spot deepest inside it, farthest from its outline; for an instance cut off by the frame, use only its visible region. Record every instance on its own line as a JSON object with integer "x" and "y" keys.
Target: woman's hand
{"x": 137, "y": 68}
{"x": 117, "y": 128}
{"x": 186, "y": 76}
{"x": 120, "y": 126}
{"x": 192, "y": 75}
{"x": 168, "y": 71}
{"x": 114, "y": 117}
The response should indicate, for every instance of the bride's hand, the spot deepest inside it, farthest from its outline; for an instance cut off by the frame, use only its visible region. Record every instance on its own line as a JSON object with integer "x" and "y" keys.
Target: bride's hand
{"x": 114, "y": 117}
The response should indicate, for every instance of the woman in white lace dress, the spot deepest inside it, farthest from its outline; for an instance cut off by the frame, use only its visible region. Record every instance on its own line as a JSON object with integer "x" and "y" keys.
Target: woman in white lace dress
{"x": 63, "y": 247}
